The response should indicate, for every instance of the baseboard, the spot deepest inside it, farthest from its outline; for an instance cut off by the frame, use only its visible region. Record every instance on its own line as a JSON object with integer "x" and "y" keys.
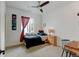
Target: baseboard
{"x": 14, "y": 45}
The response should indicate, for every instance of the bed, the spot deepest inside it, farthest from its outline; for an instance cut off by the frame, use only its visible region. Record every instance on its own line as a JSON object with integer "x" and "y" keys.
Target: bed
{"x": 34, "y": 40}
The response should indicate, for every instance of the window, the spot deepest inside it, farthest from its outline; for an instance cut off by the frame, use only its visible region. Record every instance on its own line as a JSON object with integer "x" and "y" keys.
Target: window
{"x": 30, "y": 26}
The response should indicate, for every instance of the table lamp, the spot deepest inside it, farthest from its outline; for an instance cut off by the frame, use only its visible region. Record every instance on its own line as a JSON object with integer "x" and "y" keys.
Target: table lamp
{"x": 51, "y": 31}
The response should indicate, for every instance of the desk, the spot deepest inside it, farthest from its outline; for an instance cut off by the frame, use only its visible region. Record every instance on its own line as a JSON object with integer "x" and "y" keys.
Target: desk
{"x": 72, "y": 47}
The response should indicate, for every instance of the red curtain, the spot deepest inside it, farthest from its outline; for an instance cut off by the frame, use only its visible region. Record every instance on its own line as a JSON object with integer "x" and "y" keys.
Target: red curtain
{"x": 25, "y": 21}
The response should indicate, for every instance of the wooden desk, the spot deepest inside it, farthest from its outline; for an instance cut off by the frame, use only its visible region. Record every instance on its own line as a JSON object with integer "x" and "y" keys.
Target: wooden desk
{"x": 72, "y": 47}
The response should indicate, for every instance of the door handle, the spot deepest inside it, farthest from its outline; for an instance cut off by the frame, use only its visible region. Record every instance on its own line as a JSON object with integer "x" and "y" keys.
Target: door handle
{"x": 2, "y": 51}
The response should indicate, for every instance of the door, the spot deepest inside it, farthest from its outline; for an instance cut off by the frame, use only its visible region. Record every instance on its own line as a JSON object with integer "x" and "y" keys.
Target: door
{"x": 2, "y": 28}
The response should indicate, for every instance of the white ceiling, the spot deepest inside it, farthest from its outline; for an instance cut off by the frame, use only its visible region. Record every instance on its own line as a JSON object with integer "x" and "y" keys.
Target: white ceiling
{"x": 24, "y": 5}
{"x": 55, "y": 5}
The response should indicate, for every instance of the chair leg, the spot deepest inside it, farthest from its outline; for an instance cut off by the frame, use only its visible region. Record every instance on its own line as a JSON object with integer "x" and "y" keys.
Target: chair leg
{"x": 66, "y": 53}
{"x": 69, "y": 54}
{"x": 62, "y": 52}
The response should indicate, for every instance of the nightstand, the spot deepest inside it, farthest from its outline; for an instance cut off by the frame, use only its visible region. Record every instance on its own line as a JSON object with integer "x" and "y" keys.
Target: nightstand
{"x": 52, "y": 40}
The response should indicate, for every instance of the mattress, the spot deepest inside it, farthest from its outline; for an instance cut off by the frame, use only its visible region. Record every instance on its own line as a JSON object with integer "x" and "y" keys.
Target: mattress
{"x": 33, "y": 41}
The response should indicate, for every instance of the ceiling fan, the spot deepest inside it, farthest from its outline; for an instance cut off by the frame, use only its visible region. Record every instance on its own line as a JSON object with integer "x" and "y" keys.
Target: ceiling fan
{"x": 40, "y": 5}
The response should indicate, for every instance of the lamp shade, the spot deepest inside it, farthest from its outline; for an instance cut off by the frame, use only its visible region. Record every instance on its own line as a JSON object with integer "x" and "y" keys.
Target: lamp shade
{"x": 51, "y": 30}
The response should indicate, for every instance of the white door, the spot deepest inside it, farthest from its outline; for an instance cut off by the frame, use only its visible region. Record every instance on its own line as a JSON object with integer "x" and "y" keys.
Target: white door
{"x": 2, "y": 26}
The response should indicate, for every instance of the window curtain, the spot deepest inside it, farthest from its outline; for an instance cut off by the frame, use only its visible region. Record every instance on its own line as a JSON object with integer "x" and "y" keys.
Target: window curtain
{"x": 25, "y": 21}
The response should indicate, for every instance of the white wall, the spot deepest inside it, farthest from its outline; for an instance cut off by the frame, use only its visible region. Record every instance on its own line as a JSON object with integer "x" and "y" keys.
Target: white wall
{"x": 12, "y": 37}
{"x": 2, "y": 25}
{"x": 63, "y": 17}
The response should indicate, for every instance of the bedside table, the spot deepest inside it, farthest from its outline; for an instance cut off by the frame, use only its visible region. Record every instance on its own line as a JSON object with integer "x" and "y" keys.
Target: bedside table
{"x": 52, "y": 40}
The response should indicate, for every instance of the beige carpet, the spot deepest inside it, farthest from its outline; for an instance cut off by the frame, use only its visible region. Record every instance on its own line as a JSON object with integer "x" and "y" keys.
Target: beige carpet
{"x": 44, "y": 50}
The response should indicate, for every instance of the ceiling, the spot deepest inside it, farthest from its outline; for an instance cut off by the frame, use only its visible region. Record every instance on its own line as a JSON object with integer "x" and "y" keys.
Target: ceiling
{"x": 24, "y": 5}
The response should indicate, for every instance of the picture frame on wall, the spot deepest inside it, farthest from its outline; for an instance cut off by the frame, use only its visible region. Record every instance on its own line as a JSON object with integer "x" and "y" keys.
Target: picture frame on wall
{"x": 14, "y": 18}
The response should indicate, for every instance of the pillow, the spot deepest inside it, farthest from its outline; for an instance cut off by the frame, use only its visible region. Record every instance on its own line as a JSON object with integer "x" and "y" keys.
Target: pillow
{"x": 41, "y": 31}
{"x": 27, "y": 34}
{"x": 31, "y": 34}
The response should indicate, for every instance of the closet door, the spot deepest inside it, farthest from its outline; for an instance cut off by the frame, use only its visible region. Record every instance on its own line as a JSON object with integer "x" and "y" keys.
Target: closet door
{"x": 2, "y": 28}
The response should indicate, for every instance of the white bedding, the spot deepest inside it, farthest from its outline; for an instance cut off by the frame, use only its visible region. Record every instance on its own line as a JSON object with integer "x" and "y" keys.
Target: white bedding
{"x": 43, "y": 38}
{"x": 34, "y": 35}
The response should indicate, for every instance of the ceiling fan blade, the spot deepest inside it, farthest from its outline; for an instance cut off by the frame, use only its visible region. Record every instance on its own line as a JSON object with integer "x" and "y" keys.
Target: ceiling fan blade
{"x": 45, "y": 3}
{"x": 41, "y": 10}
